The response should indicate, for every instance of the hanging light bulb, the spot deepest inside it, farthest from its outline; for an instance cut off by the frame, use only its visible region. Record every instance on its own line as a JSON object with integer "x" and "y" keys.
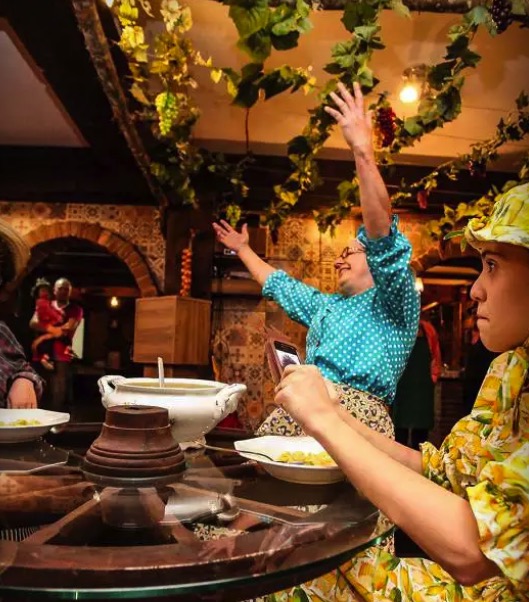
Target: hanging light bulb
{"x": 109, "y": 3}
{"x": 414, "y": 84}
{"x": 114, "y": 302}
{"x": 409, "y": 93}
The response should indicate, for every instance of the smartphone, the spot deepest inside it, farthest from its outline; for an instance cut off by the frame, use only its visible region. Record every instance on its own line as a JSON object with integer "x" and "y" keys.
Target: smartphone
{"x": 286, "y": 354}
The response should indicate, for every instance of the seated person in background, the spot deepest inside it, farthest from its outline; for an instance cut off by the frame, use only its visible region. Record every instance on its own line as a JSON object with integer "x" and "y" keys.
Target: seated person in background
{"x": 47, "y": 315}
{"x": 413, "y": 410}
{"x": 20, "y": 386}
{"x": 360, "y": 338}
{"x": 467, "y": 504}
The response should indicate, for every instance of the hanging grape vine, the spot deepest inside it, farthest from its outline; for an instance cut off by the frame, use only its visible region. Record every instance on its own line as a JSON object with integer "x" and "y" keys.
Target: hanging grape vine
{"x": 161, "y": 82}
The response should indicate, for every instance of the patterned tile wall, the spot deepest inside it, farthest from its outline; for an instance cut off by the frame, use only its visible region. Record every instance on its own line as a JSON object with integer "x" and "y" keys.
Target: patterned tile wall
{"x": 238, "y": 324}
{"x": 137, "y": 224}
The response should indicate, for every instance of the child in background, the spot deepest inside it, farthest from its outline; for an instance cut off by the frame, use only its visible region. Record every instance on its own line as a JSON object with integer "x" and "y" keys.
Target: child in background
{"x": 48, "y": 315}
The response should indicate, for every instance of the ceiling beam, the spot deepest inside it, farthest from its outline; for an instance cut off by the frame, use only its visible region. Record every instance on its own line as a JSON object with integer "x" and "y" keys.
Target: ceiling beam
{"x": 69, "y": 175}
{"x": 67, "y": 67}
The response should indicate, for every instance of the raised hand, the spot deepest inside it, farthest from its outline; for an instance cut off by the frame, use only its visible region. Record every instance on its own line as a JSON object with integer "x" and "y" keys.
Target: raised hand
{"x": 350, "y": 115}
{"x": 231, "y": 238}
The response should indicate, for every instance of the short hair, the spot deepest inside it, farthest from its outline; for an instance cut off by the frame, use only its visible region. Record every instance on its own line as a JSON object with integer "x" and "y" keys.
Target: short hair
{"x": 60, "y": 281}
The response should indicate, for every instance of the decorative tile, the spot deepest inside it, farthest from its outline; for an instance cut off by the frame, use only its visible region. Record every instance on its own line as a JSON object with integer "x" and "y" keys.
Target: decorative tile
{"x": 138, "y": 225}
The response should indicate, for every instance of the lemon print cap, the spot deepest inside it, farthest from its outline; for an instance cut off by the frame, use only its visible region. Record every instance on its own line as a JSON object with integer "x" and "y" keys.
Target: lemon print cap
{"x": 508, "y": 222}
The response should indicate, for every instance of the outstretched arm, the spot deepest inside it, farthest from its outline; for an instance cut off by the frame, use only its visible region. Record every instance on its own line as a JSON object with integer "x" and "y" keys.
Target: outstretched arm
{"x": 240, "y": 243}
{"x": 357, "y": 130}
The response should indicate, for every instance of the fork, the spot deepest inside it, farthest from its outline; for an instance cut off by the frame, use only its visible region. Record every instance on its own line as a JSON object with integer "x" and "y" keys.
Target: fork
{"x": 233, "y": 451}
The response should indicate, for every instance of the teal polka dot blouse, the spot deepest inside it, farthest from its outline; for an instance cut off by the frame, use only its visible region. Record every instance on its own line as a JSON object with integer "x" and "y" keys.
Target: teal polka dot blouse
{"x": 363, "y": 340}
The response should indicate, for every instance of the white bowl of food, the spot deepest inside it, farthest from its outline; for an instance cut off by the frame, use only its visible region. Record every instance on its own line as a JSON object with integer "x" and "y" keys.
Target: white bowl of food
{"x": 28, "y": 425}
{"x": 295, "y": 459}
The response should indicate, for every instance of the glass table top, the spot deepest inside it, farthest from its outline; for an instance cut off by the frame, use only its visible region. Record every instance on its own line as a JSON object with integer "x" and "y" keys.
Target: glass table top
{"x": 221, "y": 530}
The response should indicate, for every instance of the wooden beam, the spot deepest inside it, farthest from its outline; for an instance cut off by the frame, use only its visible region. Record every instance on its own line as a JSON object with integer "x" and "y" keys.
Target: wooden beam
{"x": 68, "y": 69}
{"x": 425, "y": 6}
{"x": 69, "y": 175}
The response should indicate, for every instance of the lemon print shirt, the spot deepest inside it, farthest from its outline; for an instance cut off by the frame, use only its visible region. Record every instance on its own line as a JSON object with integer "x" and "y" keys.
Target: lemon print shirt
{"x": 484, "y": 459}
{"x": 363, "y": 340}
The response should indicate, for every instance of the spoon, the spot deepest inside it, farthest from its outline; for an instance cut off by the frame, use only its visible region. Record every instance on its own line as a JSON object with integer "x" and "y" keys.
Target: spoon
{"x": 161, "y": 376}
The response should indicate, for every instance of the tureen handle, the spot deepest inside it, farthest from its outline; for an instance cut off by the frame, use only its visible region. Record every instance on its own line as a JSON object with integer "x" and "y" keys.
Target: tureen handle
{"x": 228, "y": 398}
{"x": 107, "y": 384}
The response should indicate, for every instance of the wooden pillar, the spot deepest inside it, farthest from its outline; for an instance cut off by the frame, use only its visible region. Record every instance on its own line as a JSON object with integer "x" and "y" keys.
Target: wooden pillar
{"x": 179, "y": 224}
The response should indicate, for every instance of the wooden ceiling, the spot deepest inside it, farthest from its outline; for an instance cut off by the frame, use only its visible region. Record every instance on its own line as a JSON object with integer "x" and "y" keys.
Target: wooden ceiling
{"x": 59, "y": 140}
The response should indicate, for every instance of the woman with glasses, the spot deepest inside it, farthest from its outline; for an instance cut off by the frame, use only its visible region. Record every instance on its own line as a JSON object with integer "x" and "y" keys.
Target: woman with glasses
{"x": 361, "y": 336}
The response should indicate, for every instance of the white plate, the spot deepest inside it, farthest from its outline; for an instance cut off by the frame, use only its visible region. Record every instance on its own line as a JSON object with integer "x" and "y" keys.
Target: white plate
{"x": 274, "y": 446}
{"x": 16, "y": 434}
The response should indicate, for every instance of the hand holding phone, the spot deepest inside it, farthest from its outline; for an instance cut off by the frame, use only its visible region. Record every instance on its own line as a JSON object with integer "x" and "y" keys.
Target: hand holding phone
{"x": 280, "y": 355}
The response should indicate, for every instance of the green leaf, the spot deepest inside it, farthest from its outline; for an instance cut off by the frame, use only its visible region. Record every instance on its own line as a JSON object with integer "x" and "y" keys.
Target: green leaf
{"x": 522, "y": 102}
{"x": 300, "y": 145}
{"x": 247, "y": 95}
{"x": 366, "y": 32}
{"x": 303, "y": 8}
{"x": 357, "y": 14}
{"x": 333, "y": 69}
{"x": 343, "y": 54}
{"x": 478, "y": 15}
{"x": 257, "y": 46}
{"x": 457, "y": 48}
{"x": 299, "y": 595}
{"x": 251, "y": 71}
{"x": 366, "y": 79}
{"x": 470, "y": 59}
{"x": 139, "y": 94}
{"x": 520, "y": 7}
{"x": 285, "y": 27}
{"x": 413, "y": 127}
{"x": 395, "y": 595}
{"x": 441, "y": 73}
{"x": 285, "y": 42}
{"x": 250, "y": 17}
{"x": 400, "y": 8}
{"x": 277, "y": 81}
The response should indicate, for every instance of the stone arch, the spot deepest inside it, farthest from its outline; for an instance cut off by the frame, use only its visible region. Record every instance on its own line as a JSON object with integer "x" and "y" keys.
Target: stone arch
{"x": 439, "y": 252}
{"x": 112, "y": 242}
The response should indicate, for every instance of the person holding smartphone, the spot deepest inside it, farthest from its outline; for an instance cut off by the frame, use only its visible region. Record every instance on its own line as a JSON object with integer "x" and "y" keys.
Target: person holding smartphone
{"x": 466, "y": 503}
{"x": 361, "y": 336}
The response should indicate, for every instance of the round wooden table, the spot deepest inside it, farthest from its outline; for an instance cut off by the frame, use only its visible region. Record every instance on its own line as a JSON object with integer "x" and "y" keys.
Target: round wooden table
{"x": 224, "y": 530}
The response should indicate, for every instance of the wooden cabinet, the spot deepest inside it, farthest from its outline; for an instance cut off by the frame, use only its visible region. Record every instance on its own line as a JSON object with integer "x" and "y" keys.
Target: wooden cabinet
{"x": 176, "y": 329}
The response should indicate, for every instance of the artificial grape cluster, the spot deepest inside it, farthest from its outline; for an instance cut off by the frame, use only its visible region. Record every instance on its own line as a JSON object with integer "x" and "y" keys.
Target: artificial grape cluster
{"x": 422, "y": 199}
{"x": 386, "y": 127}
{"x": 477, "y": 168}
{"x": 167, "y": 111}
{"x": 501, "y": 13}
{"x": 185, "y": 272}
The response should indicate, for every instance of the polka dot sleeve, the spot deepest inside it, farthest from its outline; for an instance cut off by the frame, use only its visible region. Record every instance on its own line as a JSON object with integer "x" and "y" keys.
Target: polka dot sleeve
{"x": 298, "y": 300}
{"x": 389, "y": 261}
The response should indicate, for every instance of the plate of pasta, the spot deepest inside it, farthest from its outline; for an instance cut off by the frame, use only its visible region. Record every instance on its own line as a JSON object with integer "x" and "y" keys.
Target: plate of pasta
{"x": 27, "y": 425}
{"x": 294, "y": 459}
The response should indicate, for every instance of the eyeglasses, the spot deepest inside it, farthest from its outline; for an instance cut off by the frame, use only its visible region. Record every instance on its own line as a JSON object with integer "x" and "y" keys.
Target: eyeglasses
{"x": 350, "y": 251}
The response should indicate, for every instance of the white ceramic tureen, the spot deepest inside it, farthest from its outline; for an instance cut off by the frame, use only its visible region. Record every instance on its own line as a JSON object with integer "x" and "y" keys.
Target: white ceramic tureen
{"x": 195, "y": 406}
